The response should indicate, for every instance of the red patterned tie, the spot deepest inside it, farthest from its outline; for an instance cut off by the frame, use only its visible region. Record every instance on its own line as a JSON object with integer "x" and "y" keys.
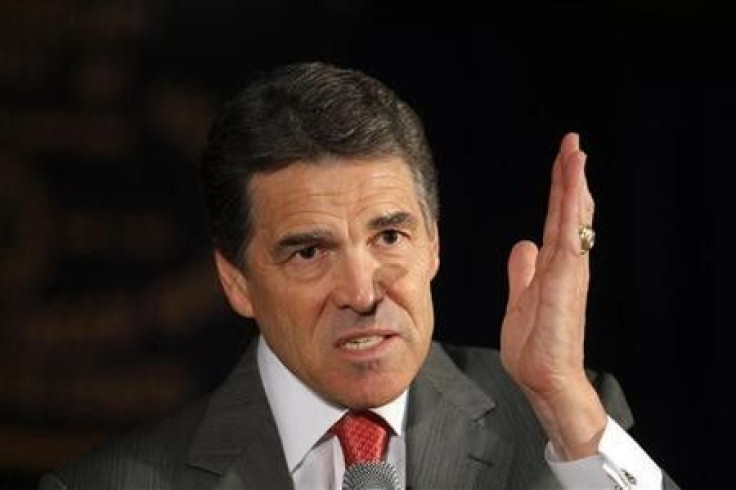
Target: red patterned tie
{"x": 363, "y": 436}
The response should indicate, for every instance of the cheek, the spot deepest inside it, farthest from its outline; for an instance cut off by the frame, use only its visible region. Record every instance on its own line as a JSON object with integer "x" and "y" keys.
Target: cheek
{"x": 293, "y": 328}
{"x": 418, "y": 276}
{"x": 411, "y": 290}
{"x": 288, "y": 314}
{"x": 301, "y": 307}
{"x": 415, "y": 265}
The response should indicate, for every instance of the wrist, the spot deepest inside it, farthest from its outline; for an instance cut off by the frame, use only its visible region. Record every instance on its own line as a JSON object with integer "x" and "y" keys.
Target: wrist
{"x": 574, "y": 420}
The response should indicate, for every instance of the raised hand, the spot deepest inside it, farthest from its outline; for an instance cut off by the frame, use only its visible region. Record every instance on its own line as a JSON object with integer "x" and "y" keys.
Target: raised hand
{"x": 543, "y": 331}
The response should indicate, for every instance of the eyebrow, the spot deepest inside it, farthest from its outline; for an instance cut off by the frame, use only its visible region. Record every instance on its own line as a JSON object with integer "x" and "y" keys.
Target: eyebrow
{"x": 400, "y": 219}
{"x": 292, "y": 241}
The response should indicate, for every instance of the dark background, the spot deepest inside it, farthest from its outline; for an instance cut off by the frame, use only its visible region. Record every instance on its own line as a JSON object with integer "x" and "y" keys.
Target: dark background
{"x": 110, "y": 313}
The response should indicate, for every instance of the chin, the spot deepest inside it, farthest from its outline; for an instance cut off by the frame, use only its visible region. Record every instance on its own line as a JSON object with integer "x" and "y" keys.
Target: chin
{"x": 373, "y": 393}
{"x": 366, "y": 402}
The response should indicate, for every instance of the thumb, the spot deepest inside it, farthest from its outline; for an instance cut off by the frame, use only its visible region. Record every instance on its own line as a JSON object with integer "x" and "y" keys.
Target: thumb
{"x": 521, "y": 269}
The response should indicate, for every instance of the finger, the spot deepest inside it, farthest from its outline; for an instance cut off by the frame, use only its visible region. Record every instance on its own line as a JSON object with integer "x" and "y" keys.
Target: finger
{"x": 572, "y": 202}
{"x": 554, "y": 204}
{"x": 587, "y": 209}
{"x": 568, "y": 146}
{"x": 577, "y": 209}
{"x": 521, "y": 270}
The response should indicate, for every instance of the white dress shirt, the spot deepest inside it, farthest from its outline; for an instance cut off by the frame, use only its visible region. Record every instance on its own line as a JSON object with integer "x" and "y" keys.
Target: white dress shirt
{"x": 303, "y": 418}
{"x": 315, "y": 461}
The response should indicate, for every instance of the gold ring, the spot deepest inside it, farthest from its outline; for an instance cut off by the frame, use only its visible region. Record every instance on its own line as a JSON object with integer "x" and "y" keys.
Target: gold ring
{"x": 587, "y": 238}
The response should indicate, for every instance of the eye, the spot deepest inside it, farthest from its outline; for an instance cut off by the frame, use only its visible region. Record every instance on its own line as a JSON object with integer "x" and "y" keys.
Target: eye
{"x": 390, "y": 237}
{"x": 307, "y": 253}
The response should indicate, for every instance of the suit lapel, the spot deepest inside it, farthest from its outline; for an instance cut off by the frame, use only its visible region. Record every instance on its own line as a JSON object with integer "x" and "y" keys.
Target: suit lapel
{"x": 237, "y": 439}
{"x": 452, "y": 437}
{"x": 452, "y": 441}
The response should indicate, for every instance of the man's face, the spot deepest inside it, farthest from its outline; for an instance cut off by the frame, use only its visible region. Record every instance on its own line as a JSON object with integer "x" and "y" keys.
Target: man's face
{"x": 338, "y": 276}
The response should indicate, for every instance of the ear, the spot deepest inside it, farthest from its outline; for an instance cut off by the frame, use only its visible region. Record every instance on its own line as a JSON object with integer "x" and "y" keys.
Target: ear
{"x": 434, "y": 249}
{"x": 235, "y": 286}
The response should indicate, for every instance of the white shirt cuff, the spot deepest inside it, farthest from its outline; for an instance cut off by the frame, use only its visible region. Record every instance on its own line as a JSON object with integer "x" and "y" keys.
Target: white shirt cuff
{"x": 619, "y": 464}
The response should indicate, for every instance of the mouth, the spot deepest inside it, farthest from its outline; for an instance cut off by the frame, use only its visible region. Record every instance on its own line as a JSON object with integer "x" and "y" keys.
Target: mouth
{"x": 364, "y": 343}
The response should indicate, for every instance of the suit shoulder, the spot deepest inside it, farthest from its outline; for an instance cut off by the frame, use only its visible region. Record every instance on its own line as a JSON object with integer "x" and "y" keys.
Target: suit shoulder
{"x": 483, "y": 365}
{"x": 478, "y": 361}
{"x": 151, "y": 453}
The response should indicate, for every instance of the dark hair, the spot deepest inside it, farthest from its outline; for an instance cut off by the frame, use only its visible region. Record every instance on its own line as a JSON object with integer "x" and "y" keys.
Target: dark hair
{"x": 306, "y": 112}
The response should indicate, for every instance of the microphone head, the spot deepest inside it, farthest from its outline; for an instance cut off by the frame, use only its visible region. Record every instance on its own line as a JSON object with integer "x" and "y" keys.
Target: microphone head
{"x": 371, "y": 476}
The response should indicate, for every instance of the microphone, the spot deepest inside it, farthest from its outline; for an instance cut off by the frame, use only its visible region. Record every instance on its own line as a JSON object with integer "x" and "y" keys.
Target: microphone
{"x": 371, "y": 476}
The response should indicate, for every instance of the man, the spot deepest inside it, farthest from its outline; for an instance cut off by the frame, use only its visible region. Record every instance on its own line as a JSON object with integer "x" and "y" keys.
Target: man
{"x": 323, "y": 203}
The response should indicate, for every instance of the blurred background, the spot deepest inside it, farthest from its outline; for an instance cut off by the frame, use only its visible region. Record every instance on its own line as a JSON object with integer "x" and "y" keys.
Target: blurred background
{"x": 110, "y": 313}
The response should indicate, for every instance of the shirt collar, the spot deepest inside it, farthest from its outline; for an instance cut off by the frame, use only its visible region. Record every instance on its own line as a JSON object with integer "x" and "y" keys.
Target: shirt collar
{"x": 302, "y": 416}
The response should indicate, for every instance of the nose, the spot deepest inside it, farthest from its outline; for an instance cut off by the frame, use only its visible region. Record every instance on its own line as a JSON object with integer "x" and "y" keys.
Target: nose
{"x": 357, "y": 284}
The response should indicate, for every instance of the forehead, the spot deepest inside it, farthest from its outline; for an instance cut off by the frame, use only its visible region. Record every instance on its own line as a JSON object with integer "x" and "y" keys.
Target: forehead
{"x": 335, "y": 189}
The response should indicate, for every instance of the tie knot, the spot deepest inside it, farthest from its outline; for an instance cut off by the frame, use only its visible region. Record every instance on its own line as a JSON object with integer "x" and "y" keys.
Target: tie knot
{"x": 363, "y": 437}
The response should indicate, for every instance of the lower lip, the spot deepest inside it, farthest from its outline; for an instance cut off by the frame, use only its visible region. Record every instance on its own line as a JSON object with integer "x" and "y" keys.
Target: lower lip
{"x": 371, "y": 352}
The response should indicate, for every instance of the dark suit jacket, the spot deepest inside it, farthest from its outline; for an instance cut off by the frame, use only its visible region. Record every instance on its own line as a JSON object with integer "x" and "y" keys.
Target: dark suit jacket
{"x": 468, "y": 426}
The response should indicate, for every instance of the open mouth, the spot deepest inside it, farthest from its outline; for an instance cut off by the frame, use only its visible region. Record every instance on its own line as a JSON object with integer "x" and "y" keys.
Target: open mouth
{"x": 363, "y": 343}
{"x": 368, "y": 342}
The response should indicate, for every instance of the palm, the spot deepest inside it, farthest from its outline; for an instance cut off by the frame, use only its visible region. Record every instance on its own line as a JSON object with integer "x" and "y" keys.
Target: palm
{"x": 543, "y": 330}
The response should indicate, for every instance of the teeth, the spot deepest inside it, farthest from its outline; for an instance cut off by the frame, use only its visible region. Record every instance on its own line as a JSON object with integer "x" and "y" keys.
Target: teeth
{"x": 362, "y": 343}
